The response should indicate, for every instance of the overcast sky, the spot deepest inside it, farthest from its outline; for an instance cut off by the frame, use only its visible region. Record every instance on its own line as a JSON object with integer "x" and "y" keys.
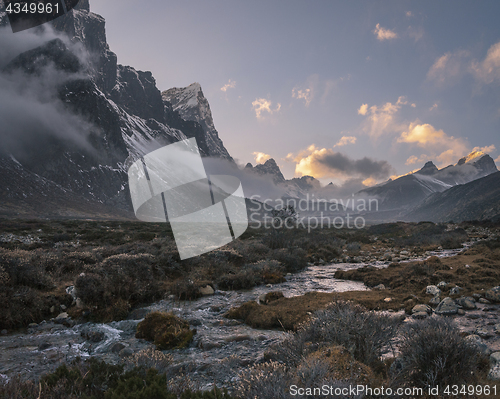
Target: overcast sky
{"x": 328, "y": 88}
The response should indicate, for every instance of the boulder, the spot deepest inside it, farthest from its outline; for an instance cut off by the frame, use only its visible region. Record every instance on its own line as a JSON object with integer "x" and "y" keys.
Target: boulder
{"x": 207, "y": 290}
{"x": 433, "y": 290}
{"x": 496, "y": 328}
{"x": 379, "y": 287}
{"x": 493, "y": 294}
{"x": 447, "y": 307}
{"x": 468, "y": 303}
{"x": 455, "y": 291}
{"x": 421, "y": 308}
{"x": 116, "y": 347}
{"x": 434, "y": 301}
{"x": 126, "y": 352}
{"x": 419, "y": 315}
{"x": 483, "y": 333}
{"x": 476, "y": 341}
{"x": 442, "y": 285}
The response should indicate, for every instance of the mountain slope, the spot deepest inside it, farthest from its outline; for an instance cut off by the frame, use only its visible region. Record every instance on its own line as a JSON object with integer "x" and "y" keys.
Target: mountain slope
{"x": 409, "y": 190}
{"x": 112, "y": 115}
{"x": 477, "y": 200}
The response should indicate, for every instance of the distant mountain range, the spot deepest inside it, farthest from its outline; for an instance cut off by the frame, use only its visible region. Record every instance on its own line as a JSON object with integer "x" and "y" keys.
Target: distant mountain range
{"x": 409, "y": 190}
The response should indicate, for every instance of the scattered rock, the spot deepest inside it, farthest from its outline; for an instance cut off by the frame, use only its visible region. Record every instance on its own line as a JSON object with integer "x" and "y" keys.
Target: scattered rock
{"x": 4, "y": 332}
{"x": 447, "y": 307}
{"x": 419, "y": 315}
{"x": 422, "y": 308}
{"x": 473, "y": 316}
{"x": 138, "y": 314}
{"x": 209, "y": 345}
{"x": 43, "y": 346}
{"x": 494, "y": 373}
{"x": 52, "y": 309}
{"x": 468, "y": 303}
{"x": 483, "y": 333}
{"x": 434, "y": 301}
{"x": 207, "y": 290}
{"x": 33, "y": 325}
{"x": 497, "y": 328}
{"x": 126, "y": 352}
{"x": 116, "y": 347}
{"x": 461, "y": 312}
{"x": 455, "y": 291}
{"x": 63, "y": 307}
{"x": 61, "y": 317}
{"x": 479, "y": 344}
{"x": 485, "y": 301}
{"x": 79, "y": 303}
{"x": 493, "y": 294}
{"x": 442, "y": 285}
{"x": 379, "y": 287}
{"x": 433, "y": 290}
{"x": 388, "y": 300}
{"x": 238, "y": 338}
{"x": 93, "y": 336}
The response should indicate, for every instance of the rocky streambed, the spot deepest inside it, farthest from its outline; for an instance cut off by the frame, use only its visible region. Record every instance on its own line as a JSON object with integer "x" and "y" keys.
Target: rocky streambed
{"x": 221, "y": 348}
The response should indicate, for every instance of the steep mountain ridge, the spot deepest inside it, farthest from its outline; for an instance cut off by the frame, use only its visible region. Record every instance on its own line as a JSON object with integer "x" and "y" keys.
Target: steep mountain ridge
{"x": 125, "y": 113}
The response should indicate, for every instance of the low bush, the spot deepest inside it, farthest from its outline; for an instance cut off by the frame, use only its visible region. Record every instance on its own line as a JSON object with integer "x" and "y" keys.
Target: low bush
{"x": 433, "y": 352}
{"x": 166, "y": 330}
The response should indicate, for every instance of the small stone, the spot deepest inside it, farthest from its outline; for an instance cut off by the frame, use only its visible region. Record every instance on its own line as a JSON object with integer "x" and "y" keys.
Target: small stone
{"x": 495, "y": 358}
{"x": 447, "y": 307}
{"x": 496, "y": 328}
{"x": 43, "y": 346}
{"x": 387, "y": 300}
{"x": 434, "y": 301}
{"x": 52, "y": 309}
{"x": 479, "y": 344}
{"x": 79, "y": 303}
{"x": 379, "y": 287}
{"x": 422, "y": 308}
{"x": 4, "y": 332}
{"x": 63, "y": 307}
{"x": 433, "y": 290}
{"x": 476, "y": 296}
{"x": 485, "y": 301}
{"x": 493, "y": 294}
{"x": 33, "y": 325}
{"x": 62, "y": 316}
{"x": 116, "y": 347}
{"x": 483, "y": 333}
{"x": 419, "y": 315}
{"x": 473, "y": 316}
{"x": 494, "y": 373}
{"x": 455, "y": 291}
{"x": 126, "y": 352}
{"x": 460, "y": 312}
{"x": 442, "y": 285}
{"x": 207, "y": 290}
{"x": 468, "y": 303}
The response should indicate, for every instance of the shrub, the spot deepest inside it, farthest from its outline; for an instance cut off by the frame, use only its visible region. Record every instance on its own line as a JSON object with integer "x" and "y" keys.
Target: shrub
{"x": 268, "y": 380}
{"x": 90, "y": 288}
{"x": 150, "y": 358}
{"x": 166, "y": 330}
{"x": 364, "y": 334}
{"x": 432, "y": 352}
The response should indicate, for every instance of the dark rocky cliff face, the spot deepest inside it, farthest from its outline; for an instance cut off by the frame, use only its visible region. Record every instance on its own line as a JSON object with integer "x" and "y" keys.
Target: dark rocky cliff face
{"x": 121, "y": 108}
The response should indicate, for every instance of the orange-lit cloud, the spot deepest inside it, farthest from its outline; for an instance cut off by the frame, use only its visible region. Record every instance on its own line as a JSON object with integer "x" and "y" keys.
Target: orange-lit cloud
{"x": 433, "y": 107}
{"x": 323, "y": 162}
{"x": 416, "y": 160}
{"x": 488, "y": 70}
{"x": 363, "y": 109}
{"x": 261, "y": 157}
{"x": 345, "y": 140}
{"x": 426, "y": 136}
{"x": 486, "y": 149}
{"x": 382, "y": 119}
{"x": 230, "y": 85}
{"x": 303, "y": 94}
{"x": 261, "y": 105}
{"x": 448, "y": 66}
{"x": 384, "y": 34}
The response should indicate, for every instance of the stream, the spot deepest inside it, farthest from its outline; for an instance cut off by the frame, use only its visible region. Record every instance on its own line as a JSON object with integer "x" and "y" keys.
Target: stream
{"x": 220, "y": 349}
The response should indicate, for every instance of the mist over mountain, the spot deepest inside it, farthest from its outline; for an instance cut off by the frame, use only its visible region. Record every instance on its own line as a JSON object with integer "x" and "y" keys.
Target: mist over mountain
{"x": 73, "y": 118}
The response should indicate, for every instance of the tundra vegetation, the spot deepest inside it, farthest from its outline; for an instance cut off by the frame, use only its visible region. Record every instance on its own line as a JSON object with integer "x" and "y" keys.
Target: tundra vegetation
{"x": 333, "y": 338}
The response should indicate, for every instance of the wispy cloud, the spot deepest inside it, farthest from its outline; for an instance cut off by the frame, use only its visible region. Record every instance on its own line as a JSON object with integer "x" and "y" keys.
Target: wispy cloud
{"x": 434, "y": 106}
{"x": 382, "y": 119}
{"x": 303, "y": 94}
{"x": 261, "y": 157}
{"x": 486, "y": 149}
{"x": 345, "y": 140}
{"x": 488, "y": 70}
{"x": 230, "y": 85}
{"x": 384, "y": 34}
{"x": 448, "y": 67}
{"x": 416, "y": 160}
{"x": 262, "y": 105}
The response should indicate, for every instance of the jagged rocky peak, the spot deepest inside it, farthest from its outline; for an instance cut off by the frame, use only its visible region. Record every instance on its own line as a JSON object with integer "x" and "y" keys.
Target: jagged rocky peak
{"x": 428, "y": 169}
{"x": 190, "y": 103}
{"x": 270, "y": 167}
{"x": 480, "y": 160}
